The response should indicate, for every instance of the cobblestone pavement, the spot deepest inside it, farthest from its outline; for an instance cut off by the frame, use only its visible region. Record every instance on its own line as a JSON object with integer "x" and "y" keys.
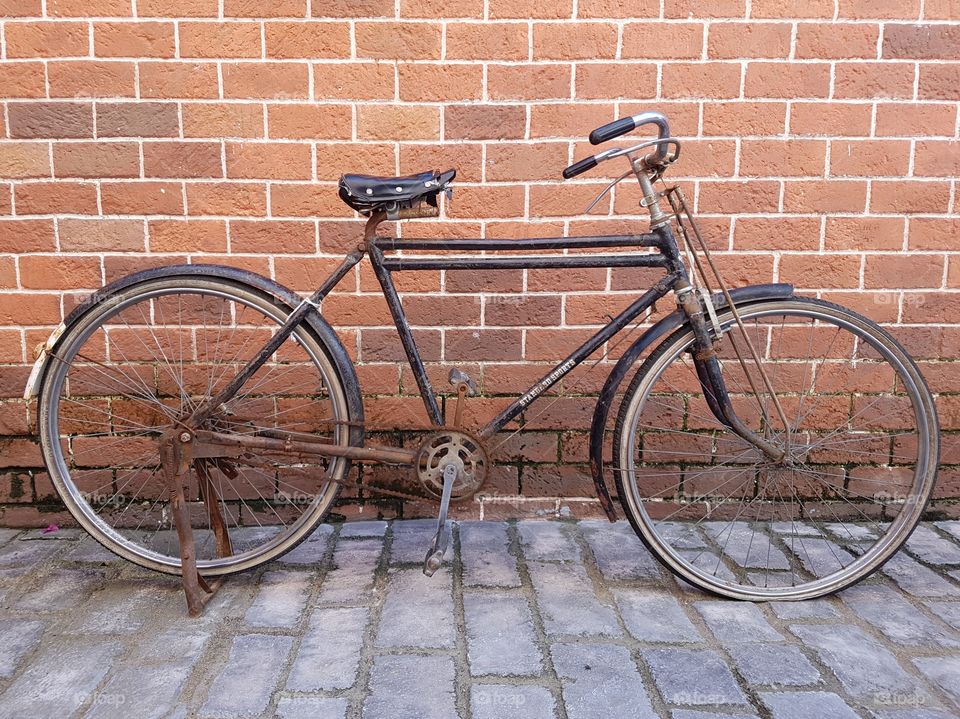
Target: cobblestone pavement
{"x": 532, "y": 619}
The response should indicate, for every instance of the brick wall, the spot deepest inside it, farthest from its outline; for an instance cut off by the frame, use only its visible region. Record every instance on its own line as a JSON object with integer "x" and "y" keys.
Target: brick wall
{"x": 821, "y": 149}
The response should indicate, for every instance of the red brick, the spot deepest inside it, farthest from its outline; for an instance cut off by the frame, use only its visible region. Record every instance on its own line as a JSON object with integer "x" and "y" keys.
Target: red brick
{"x": 903, "y": 271}
{"x": 777, "y": 233}
{"x": 603, "y": 81}
{"x": 22, "y": 79}
{"x": 54, "y": 198}
{"x": 353, "y": 81}
{"x": 333, "y": 159}
{"x": 141, "y": 198}
{"x": 941, "y": 9}
{"x": 933, "y": 233}
{"x": 91, "y": 78}
{"x": 718, "y": 8}
{"x": 864, "y": 233}
{"x": 398, "y": 122}
{"x": 867, "y": 9}
{"x": 307, "y": 200}
{"x": 778, "y": 158}
{"x": 177, "y": 8}
{"x": 257, "y": 9}
{"x": 220, "y": 39}
{"x": 825, "y": 196}
{"x": 710, "y": 79}
{"x": 188, "y": 236}
{"x": 736, "y": 40}
{"x": 840, "y": 41}
{"x": 88, "y": 8}
{"x": 869, "y": 158}
{"x": 940, "y": 82}
{"x": 440, "y": 83}
{"x": 310, "y": 121}
{"x": 743, "y": 118}
{"x": 269, "y": 160}
{"x": 431, "y": 8}
{"x": 47, "y": 39}
{"x": 487, "y": 41}
{"x": 823, "y": 118}
{"x": 26, "y": 236}
{"x": 574, "y": 120}
{"x": 101, "y": 235}
{"x": 21, "y": 8}
{"x": 657, "y": 40}
{"x": 398, "y": 41}
{"x": 133, "y": 39}
{"x": 171, "y": 80}
{"x": 45, "y": 272}
{"x": 909, "y": 197}
{"x": 909, "y": 120}
{"x": 574, "y": 41}
{"x": 222, "y": 120}
{"x": 870, "y": 80}
{"x": 736, "y": 197}
{"x": 307, "y": 39}
{"x": 524, "y": 9}
{"x": 282, "y": 80}
{"x": 513, "y": 161}
{"x": 488, "y": 201}
{"x": 96, "y": 159}
{"x": 137, "y": 119}
{"x": 528, "y": 82}
{"x": 780, "y": 79}
{"x": 182, "y": 159}
{"x": 24, "y": 159}
{"x": 281, "y": 237}
{"x": 226, "y": 198}
{"x": 17, "y": 308}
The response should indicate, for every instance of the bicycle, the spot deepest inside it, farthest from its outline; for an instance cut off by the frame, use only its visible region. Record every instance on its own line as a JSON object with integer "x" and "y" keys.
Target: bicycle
{"x": 768, "y": 446}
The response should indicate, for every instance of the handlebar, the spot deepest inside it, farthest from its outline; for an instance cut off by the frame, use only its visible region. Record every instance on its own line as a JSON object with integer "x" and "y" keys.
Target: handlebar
{"x": 626, "y": 124}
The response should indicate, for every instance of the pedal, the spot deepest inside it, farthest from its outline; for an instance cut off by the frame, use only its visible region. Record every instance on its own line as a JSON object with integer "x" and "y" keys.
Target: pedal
{"x": 459, "y": 377}
{"x": 438, "y": 547}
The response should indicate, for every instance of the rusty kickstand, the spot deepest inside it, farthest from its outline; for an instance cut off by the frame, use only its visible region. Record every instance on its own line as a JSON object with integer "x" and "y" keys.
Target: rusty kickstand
{"x": 175, "y": 457}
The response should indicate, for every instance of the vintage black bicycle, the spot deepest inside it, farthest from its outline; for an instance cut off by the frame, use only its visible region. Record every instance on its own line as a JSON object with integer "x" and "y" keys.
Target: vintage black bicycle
{"x": 765, "y": 445}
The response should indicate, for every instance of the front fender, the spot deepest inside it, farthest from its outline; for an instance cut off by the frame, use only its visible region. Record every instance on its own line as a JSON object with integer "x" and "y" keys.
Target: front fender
{"x": 282, "y": 295}
{"x": 741, "y": 295}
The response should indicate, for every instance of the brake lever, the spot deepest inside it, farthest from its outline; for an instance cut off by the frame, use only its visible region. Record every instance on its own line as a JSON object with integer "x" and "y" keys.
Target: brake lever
{"x": 607, "y": 189}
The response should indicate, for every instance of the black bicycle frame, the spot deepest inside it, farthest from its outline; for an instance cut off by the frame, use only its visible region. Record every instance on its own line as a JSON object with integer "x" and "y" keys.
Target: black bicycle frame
{"x": 666, "y": 257}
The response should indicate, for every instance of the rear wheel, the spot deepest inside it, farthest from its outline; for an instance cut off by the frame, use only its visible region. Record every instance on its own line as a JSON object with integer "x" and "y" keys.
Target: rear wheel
{"x": 862, "y": 443}
{"x": 143, "y": 358}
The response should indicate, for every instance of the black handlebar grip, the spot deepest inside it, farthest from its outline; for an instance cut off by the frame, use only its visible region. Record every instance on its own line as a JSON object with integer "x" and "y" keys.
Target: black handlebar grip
{"x": 612, "y": 130}
{"x": 579, "y": 166}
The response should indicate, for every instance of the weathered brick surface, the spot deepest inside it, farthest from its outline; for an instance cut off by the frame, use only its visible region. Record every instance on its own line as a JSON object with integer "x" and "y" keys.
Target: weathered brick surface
{"x": 142, "y": 133}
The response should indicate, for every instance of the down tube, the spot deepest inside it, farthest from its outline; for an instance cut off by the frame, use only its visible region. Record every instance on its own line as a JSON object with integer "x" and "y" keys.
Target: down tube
{"x": 580, "y": 354}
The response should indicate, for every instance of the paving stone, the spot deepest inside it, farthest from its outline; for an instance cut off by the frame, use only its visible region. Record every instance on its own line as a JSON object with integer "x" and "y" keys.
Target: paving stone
{"x": 411, "y": 540}
{"x": 653, "y": 615}
{"x": 809, "y": 609}
{"x": 899, "y": 620}
{"x": 619, "y": 553}
{"x": 500, "y": 635}
{"x": 372, "y": 528}
{"x": 942, "y": 671}
{"x": 89, "y": 550}
{"x": 947, "y": 611}
{"x": 511, "y": 701}
{"x": 546, "y": 540}
{"x": 485, "y": 557}
{"x": 329, "y": 654}
{"x": 863, "y": 666}
{"x": 950, "y": 527}
{"x": 746, "y": 545}
{"x": 7, "y": 534}
{"x": 733, "y": 622}
{"x": 60, "y": 589}
{"x": 694, "y": 677}
{"x": 246, "y": 683}
{"x": 568, "y": 603}
{"x": 821, "y": 557}
{"x": 916, "y": 579}
{"x": 847, "y": 532}
{"x": 774, "y": 664}
{"x": 311, "y": 708}
{"x": 430, "y": 624}
{"x": 22, "y": 551}
{"x": 352, "y": 578}
{"x": 707, "y": 560}
{"x": 694, "y": 714}
{"x": 281, "y": 599}
{"x": 802, "y": 705}
{"x": 797, "y": 528}
{"x": 914, "y": 713}
{"x": 69, "y": 534}
{"x": 311, "y": 550}
{"x": 414, "y": 687}
{"x": 600, "y": 681}
{"x": 121, "y": 606}
{"x": 59, "y": 680}
{"x": 681, "y": 535}
{"x": 930, "y": 547}
{"x": 144, "y": 692}
{"x": 18, "y": 637}
{"x": 177, "y": 643}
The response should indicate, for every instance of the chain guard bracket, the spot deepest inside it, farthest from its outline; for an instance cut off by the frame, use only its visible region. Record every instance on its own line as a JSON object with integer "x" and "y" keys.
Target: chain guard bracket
{"x": 461, "y": 449}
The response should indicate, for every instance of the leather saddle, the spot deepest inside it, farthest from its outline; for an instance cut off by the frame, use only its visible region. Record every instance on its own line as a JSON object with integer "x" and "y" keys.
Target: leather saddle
{"x": 366, "y": 193}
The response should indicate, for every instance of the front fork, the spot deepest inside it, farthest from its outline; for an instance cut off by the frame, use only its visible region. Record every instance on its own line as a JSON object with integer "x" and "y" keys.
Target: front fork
{"x": 711, "y": 377}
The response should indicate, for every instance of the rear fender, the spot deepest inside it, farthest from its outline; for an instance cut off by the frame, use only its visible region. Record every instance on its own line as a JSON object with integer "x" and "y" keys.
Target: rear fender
{"x": 283, "y": 296}
{"x": 741, "y": 296}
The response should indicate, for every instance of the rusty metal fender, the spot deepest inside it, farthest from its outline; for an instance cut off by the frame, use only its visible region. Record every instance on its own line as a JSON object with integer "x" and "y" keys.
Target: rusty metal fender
{"x": 673, "y": 321}
{"x": 282, "y": 296}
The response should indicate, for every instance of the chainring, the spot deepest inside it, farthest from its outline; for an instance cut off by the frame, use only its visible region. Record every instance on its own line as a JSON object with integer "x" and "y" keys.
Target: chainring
{"x": 440, "y": 449}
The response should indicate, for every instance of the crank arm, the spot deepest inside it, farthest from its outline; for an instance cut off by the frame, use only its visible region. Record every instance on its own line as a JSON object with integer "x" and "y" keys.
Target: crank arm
{"x": 434, "y": 559}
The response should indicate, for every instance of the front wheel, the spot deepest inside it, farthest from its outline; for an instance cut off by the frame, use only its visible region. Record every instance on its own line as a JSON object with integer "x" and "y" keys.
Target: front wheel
{"x": 144, "y": 357}
{"x": 862, "y": 447}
